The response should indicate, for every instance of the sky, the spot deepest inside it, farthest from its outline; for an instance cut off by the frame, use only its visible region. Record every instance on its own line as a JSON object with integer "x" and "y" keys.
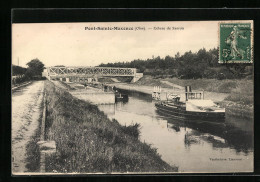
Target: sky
{"x": 72, "y": 44}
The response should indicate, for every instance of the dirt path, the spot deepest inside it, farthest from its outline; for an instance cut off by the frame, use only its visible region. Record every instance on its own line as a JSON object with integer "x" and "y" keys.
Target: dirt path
{"x": 173, "y": 85}
{"x": 26, "y": 109}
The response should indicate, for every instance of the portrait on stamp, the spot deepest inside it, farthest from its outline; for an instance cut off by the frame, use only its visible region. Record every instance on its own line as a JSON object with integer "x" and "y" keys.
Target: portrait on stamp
{"x": 235, "y": 44}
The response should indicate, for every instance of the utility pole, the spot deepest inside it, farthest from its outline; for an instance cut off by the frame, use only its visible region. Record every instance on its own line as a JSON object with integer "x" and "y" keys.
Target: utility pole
{"x": 18, "y": 61}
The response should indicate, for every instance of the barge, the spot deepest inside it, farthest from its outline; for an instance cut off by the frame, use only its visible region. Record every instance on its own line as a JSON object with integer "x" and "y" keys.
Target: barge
{"x": 194, "y": 107}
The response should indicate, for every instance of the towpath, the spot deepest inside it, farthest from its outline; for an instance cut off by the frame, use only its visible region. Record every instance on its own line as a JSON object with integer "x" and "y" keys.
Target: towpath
{"x": 173, "y": 85}
{"x": 26, "y": 109}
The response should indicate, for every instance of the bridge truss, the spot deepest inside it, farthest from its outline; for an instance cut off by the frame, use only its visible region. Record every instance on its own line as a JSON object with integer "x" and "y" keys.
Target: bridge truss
{"x": 90, "y": 72}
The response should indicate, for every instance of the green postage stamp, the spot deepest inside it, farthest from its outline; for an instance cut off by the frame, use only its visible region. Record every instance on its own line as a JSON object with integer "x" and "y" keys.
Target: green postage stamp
{"x": 236, "y": 42}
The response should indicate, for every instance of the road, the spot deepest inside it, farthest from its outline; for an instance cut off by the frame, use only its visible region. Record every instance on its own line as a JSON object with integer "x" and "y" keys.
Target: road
{"x": 26, "y": 109}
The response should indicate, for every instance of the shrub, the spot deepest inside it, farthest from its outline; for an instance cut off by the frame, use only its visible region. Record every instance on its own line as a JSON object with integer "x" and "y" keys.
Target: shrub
{"x": 132, "y": 130}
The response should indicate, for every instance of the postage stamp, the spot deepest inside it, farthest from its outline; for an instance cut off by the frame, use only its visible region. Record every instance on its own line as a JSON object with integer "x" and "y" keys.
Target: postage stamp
{"x": 236, "y": 42}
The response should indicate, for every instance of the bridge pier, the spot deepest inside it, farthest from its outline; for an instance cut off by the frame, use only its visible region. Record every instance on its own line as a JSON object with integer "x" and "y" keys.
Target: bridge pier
{"x": 137, "y": 77}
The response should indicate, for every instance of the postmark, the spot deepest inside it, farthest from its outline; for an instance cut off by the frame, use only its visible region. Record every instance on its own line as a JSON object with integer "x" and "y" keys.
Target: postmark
{"x": 236, "y": 42}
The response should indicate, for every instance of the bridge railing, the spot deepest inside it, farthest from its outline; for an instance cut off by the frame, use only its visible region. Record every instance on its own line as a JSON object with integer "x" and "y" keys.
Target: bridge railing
{"x": 104, "y": 71}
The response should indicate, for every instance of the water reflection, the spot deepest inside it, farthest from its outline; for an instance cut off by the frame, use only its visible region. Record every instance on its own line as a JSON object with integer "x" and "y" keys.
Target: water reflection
{"x": 192, "y": 146}
{"x": 220, "y": 135}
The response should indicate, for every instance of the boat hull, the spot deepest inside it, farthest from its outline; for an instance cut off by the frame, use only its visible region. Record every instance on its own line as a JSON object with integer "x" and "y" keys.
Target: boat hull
{"x": 180, "y": 112}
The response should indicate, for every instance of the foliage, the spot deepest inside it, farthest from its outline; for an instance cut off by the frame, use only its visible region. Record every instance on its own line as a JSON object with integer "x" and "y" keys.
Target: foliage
{"x": 214, "y": 85}
{"x": 35, "y": 68}
{"x": 18, "y": 70}
{"x": 18, "y": 75}
{"x": 243, "y": 93}
{"x": 201, "y": 64}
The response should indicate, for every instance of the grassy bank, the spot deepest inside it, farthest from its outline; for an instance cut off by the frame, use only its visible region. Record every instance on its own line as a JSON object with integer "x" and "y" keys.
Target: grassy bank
{"x": 239, "y": 101}
{"x": 33, "y": 153}
{"x": 150, "y": 81}
{"x": 211, "y": 85}
{"x": 240, "y": 91}
{"x": 238, "y": 110}
{"x": 214, "y": 85}
{"x": 66, "y": 86}
{"x": 87, "y": 141}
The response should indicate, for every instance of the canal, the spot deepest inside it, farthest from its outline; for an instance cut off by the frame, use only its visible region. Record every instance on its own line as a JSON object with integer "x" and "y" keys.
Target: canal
{"x": 192, "y": 146}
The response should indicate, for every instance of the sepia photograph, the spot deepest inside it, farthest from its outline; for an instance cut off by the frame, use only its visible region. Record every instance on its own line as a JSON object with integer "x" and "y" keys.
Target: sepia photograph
{"x": 157, "y": 97}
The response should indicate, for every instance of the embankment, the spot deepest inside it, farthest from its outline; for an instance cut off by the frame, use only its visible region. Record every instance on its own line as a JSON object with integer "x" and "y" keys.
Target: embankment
{"x": 235, "y": 95}
{"x": 88, "y": 142}
{"x": 239, "y": 97}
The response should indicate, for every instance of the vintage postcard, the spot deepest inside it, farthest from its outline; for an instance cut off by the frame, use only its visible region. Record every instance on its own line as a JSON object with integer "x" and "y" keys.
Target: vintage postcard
{"x": 132, "y": 97}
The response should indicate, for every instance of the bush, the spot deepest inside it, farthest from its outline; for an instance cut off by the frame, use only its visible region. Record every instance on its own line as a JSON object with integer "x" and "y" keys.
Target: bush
{"x": 243, "y": 93}
{"x": 210, "y": 74}
{"x": 132, "y": 130}
{"x": 241, "y": 99}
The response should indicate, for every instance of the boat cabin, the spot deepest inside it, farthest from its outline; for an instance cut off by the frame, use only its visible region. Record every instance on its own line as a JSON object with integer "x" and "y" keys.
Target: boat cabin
{"x": 189, "y": 95}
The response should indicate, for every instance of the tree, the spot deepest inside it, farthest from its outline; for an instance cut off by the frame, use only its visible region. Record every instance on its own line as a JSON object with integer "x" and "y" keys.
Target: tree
{"x": 201, "y": 64}
{"x": 17, "y": 70}
{"x": 35, "y": 68}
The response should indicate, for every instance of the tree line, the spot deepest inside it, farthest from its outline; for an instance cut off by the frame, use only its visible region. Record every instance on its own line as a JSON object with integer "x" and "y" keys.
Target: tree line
{"x": 32, "y": 72}
{"x": 201, "y": 64}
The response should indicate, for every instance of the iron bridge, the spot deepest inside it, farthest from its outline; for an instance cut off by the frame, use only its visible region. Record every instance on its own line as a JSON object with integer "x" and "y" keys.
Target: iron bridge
{"x": 101, "y": 71}
{"x": 84, "y": 72}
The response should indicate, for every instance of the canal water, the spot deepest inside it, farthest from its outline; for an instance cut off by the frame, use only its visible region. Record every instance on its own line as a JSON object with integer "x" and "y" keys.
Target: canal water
{"x": 192, "y": 146}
